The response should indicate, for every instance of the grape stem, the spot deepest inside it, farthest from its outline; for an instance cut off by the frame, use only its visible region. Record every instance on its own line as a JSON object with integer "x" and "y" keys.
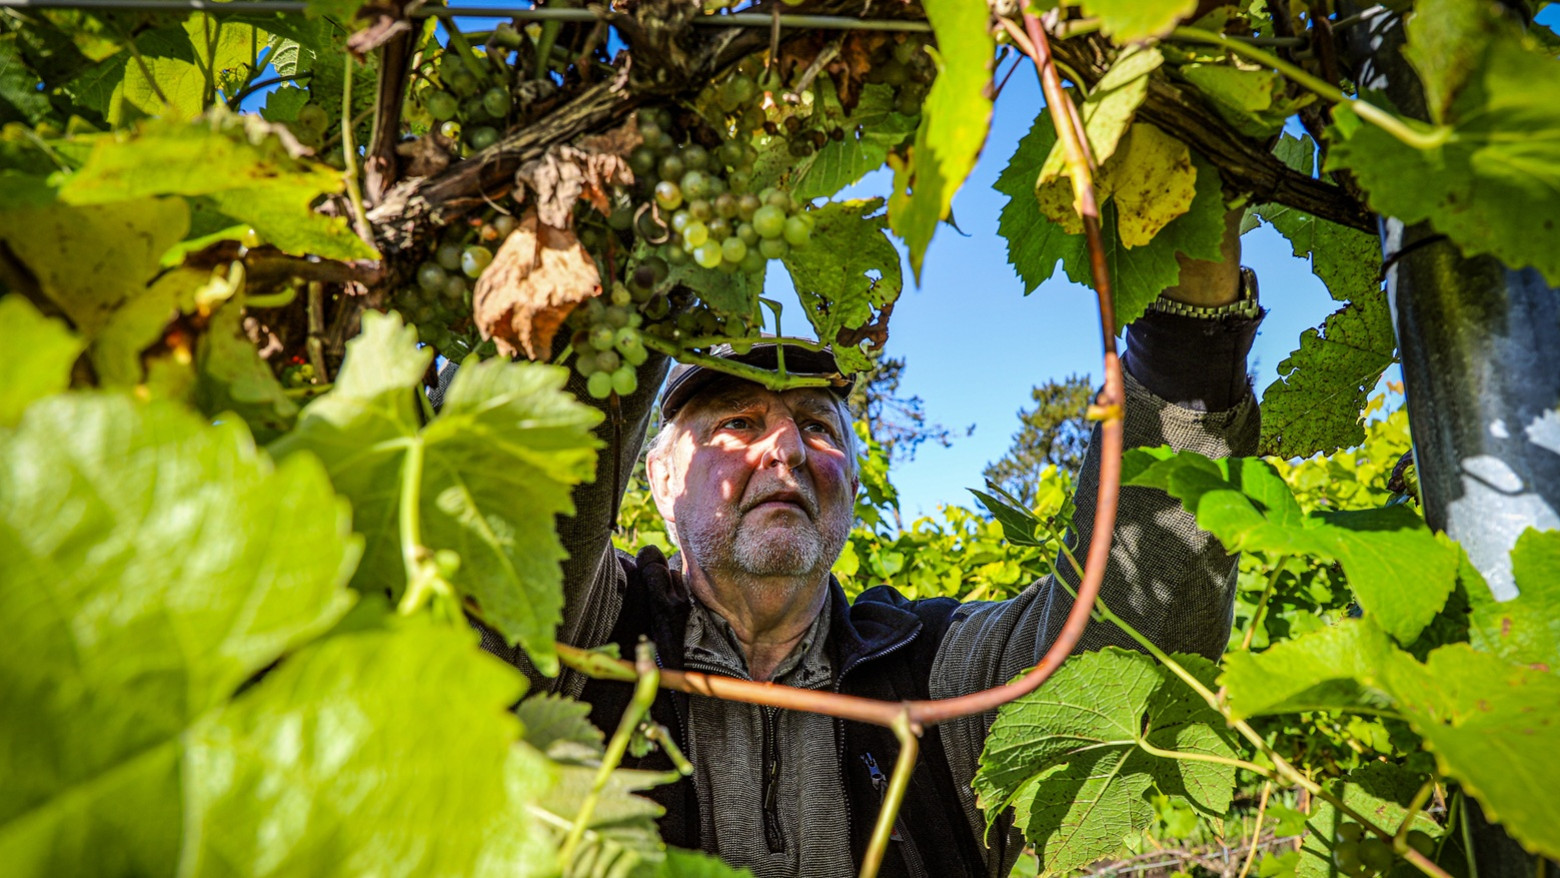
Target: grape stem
{"x": 1386, "y": 121}
{"x": 1256, "y": 831}
{"x": 1400, "y": 838}
{"x": 349, "y": 153}
{"x": 1256, "y": 615}
{"x": 755, "y": 374}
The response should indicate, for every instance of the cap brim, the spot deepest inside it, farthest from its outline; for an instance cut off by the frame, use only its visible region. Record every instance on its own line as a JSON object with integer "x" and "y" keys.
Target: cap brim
{"x": 687, "y": 380}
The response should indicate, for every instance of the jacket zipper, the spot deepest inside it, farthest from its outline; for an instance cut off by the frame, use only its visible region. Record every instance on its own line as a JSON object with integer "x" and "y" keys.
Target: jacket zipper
{"x": 771, "y": 783}
{"x": 839, "y": 724}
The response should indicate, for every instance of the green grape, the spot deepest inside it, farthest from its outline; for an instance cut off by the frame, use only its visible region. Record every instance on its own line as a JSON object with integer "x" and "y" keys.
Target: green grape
{"x": 907, "y": 103}
{"x": 733, "y": 250}
{"x": 667, "y": 195}
{"x": 442, "y": 105}
{"x": 720, "y": 229}
{"x": 769, "y": 221}
{"x": 422, "y": 314}
{"x": 774, "y": 248}
{"x": 658, "y": 268}
{"x": 1376, "y": 855}
{"x": 312, "y": 117}
{"x": 625, "y": 381}
{"x": 482, "y": 137}
{"x": 730, "y": 152}
{"x": 458, "y": 79}
{"x": 627, "y": 340}
{"x": 707, "y": 255}
{"x": 725, "y": 205}
{"x": 620, "y": 296}
{"x": 504, "y": 223}
{"x": 636, "y": 356}
{"x": 797, "y": 232}
{"x": 456, "y": 290}
{"x": 701, "y": 210}
{"x": 643, "y": 161}
{"x": 474, "y": 260}
{"x": 753, "y": 262}
{"x": 1421, "y": 841}
{"x": 680, "y": 221}
{"x": 906, "y": 51}
{"x": 660, "y": 306}
{"x": 725, "y": 267}
{"x": 649, "y": 131}
{"x": 617, "y": 315}
{"x": 779, "y": 199}
{"x": 695, "y": 157}
{"x": 602, "y": 337}
{"x": 674, "y": 255}
{"x": 1350, "y": 832}
{"x": 585, "y": 360}
{"x": 621, "y": 219}
{"x": 695, "y": 233}
{"x": 748, "y": 234}
{"x": 738, "y": 89}
{"x": 472, "y": 111}
{"x": 1346, "y": 856}
{"x": 431, "y": 276}
{"x": 450, "y": 130}
{"x": 739, "y": 180}
{"x": 251, "y": 238}
{"x": 607, "y": 361}
{"x": 599, "y": 385}
{"x": 695, "y": 185}
{"x": 747, "y": 205}
{"x": 672, "y": 168}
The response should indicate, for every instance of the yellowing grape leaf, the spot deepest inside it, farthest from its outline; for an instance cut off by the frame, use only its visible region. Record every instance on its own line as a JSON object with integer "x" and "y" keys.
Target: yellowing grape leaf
{"x": 50, "y": 347}
{"x": 154, "y": 564}
{"x": 954, "y": 121}
{"x": 498, "y": 463}
{"x": 1151, "y": 181}
{"x": 242, "y": 166}
{"x": 1109, "y": 107}
{"x": 98, "y": 265}
{"x": 1253, "y": 101}
{"x": 1070, "y": 757}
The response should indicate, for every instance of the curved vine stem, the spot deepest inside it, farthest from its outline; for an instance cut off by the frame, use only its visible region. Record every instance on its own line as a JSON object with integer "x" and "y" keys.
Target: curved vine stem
{"x": 909, "y": 735}
{"x": 1386, "y": 121}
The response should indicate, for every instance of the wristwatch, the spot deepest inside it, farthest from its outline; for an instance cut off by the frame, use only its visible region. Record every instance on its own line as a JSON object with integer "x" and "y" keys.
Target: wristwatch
{"x": 1246, "y": 305}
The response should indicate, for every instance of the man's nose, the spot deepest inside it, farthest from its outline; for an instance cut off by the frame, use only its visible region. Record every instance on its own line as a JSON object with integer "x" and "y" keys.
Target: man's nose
{"x": 784, "y": 445}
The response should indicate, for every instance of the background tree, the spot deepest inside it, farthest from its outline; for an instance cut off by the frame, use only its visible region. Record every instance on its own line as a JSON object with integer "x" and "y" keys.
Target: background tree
{"x": 1052, "y": 433}
{"x": 898, "y": 422}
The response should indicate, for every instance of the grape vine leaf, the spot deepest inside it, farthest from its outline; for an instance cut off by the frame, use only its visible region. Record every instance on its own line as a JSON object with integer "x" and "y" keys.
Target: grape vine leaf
{"x": 498, "y": 463}
{"x": 1491, "y": 186}
{"x": 558, "y": 726}
{"x": 850, "y": 270}
{"x": 1316, "y": 403}
{"x": 621, "y": 838}
{"x": 954, "y": 121}
{"x": 682, "y": 863}
{"x": 871, "y": 130}
{"x": 352, "y": 756}
{"x": 1138, "y": 274}
{"x": 1108, "y": 109}
{"x": 240, "y": 165}
{"x": 154, "y": 564}
{"x": 1485, "y": 719}
{"x": 22, "y": 97}
{"x": 1149, "y": 179}
{"x": 1398, "y": 571}
{"x": 1253, "y": 101}
{"x": 1070, "y": 758}
{"x": 98, "y": 265}
{"x": 1327, "y": 669}
{"x": 1347, "y": 260}
{"x": 1130, "y": 21}
{"x": 51, "y": 350}
{"x": 231, "y": 377}
{"x": 1525, "y": 629}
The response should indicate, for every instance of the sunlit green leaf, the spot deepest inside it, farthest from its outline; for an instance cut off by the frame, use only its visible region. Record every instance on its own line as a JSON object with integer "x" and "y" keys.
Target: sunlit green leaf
{"x": 849, "y": 271}
{"x": 1128, "y": 21}
{"x": 498, "y": 463}
{"x": 1347, "y": 260}
{"x": 154, "y": 564}
{"x": 953, "y": 127}
{"x": 1525, "y": 629}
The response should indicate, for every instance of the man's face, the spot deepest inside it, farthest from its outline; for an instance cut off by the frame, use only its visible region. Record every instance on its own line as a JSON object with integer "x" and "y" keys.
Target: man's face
{"x": 759, "y": 483}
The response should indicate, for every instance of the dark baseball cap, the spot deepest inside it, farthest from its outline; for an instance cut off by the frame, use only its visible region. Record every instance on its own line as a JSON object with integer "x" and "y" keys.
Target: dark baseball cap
{"x": 687, "y": 380}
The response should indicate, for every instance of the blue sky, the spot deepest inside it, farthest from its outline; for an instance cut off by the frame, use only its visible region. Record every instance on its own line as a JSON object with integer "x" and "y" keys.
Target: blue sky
{"x": 974, "y": 344}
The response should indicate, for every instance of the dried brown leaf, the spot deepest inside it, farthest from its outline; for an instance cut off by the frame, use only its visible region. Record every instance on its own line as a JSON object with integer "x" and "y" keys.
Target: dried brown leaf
{"x": 537, "y": 277}
{"x": 565, "y": 174}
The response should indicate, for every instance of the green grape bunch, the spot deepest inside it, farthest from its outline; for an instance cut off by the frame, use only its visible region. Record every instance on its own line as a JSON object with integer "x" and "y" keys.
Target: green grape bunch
{"x": 1361, "y": 857}
{"x": 439, "y": 303}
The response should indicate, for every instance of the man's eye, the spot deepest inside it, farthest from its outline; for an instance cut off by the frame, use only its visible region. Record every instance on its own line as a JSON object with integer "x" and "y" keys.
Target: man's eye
{"x": 734, "y": 424}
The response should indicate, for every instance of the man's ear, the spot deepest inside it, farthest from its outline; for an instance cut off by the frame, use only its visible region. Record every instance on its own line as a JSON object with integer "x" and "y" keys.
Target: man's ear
{"x": 660, "y": 475}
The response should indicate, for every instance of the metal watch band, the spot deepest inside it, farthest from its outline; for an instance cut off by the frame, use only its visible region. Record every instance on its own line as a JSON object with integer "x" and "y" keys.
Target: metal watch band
{"x": 1245, "y": 306}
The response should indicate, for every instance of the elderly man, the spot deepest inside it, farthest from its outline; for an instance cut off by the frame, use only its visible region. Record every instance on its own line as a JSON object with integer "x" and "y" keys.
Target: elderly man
{"x": 757, "y": 487}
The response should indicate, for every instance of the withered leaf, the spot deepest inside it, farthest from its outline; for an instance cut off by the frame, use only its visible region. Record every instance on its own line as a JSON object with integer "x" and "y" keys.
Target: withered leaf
{"x": 567, "y": 173}
{"x": 539, "y": 274}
